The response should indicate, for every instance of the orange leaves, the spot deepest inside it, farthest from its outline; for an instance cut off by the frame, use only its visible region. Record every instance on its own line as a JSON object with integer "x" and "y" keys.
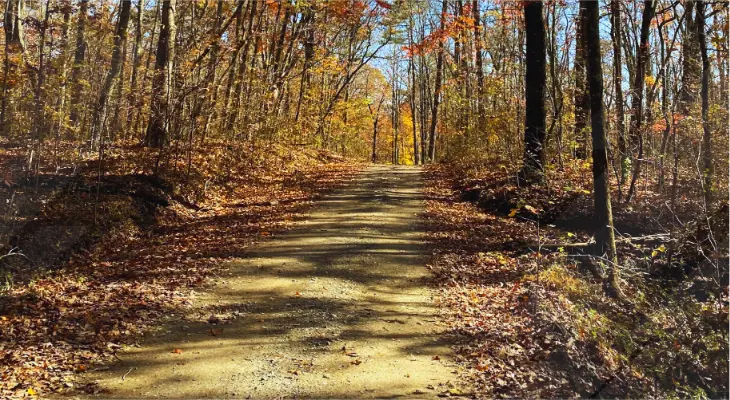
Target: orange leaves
{"x": 453, "y": 25}
{"x": 429, "y": 44}
{"x": 177, "y": 351}
{"x": 346, "y": 10}
{"x": 384, "y": 4}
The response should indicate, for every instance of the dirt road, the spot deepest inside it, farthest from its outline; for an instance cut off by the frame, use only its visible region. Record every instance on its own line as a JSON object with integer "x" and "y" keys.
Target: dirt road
{"x": 337, "y": 307}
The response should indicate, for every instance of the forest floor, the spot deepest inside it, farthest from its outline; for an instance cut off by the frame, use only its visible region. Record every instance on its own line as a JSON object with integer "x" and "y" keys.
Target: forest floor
{"x": 530, "y": 319}
{"x": 337, "y": 307}
{"x": 400, "y": 282}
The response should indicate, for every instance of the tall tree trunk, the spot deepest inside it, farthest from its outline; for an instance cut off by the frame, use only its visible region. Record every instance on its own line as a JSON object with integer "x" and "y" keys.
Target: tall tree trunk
{"x": 39, "y": 117}
{"x": 395, "y": 109}
{"x": 373, "y": 156}
{"x": 139, "y": 118}
{"x": 437, "y": 88}
{"x": 556, "y": 93}
{"x": 412, "y": 75}
{"x": 534, "y": 155}
{"x": 14, "y": 43}
{"x": 637, "y": 96}
{"x": 691, "y": 68}
{"x": 157, "y": 127}
{"x": 605, "y": 241}
{"x": 704, "y": 94}
{"x": 481, "y": 117}
{"x": 232, "y": 70}
{"x": 79, "y": 59}
{"x": 618, "y": 89}
{"x": 309, "y": 43}
{"x": 136, "y": 61}
{"x": 211, "y": 86}
{"x": 581, "y": 103}
{"x": 65, "y": 46}
{"x": 242, "y": 66}
{"x": 120, "y": 40}
{"x": 668, "y": 122}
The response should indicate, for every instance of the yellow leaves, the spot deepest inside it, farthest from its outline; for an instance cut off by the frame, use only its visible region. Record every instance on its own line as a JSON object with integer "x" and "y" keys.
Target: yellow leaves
{"x": 649, "y": 80}
{"x": 658, "y": 250}
{"x": 32, "y": 392}
{"x": 526, "y": 208}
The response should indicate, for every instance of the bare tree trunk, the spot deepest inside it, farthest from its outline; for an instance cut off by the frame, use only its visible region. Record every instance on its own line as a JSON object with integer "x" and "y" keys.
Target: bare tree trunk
{"x": 605, "y": 240}
{"x": 79, "y": 59}
{"x": 14, "y": 42}
{"x": 637, "y": 95}
{"x": 690, "y": 61}
{"x": 157, "y": 127}
{"x": 136, "y": 61}
{"x": 138, "y": 117}
{"x": 665, "y": 112}
{"x": 309, "y": 43}
{"x": 704, "y": 94}
{"x": 437, "y": 89}
{"x": 39, "y": 113}
{"x": 534, "y": 155}
{"x": 39, "y": 120}
{"x": 556, "y": 93}
{"x": 242, "y": 66}
{"x": 412, "y": 73}
{"x": 66, "y": 9}
{"x": 581, "y": 102}
{"x": 395, "y": 108}
{"x": 481, "y": 117}
{"x": 617, "y": 85}
{"x": 120, "y": 40}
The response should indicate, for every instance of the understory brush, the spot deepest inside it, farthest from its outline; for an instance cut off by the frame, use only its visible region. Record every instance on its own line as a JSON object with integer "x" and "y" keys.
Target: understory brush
{"x": 533, "y": 321}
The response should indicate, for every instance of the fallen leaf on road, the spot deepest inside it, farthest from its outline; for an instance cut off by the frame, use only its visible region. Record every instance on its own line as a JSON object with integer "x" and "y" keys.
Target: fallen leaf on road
{"x": 177, "y": 351}
{"x": 456, "y": 392}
